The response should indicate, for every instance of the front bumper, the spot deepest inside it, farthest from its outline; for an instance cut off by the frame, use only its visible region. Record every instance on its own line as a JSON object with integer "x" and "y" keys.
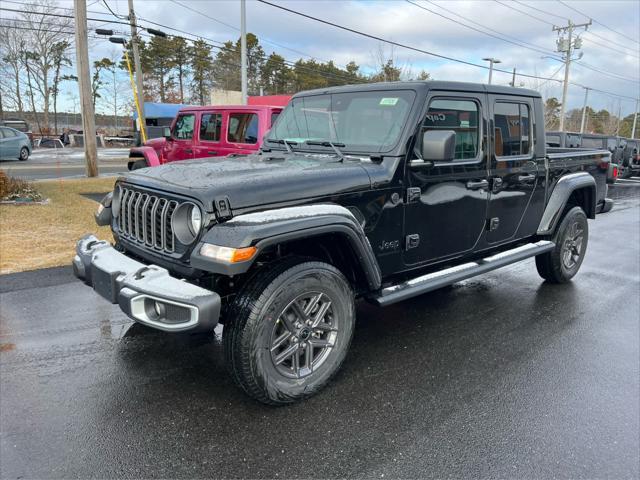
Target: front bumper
{"x": 146, "y": 293}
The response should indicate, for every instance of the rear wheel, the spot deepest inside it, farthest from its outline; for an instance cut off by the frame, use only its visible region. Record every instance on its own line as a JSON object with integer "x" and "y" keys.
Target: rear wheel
{"x": 571, "y": 237}
{"x": 24, "y": 154}
{"x": 289, "y": 330}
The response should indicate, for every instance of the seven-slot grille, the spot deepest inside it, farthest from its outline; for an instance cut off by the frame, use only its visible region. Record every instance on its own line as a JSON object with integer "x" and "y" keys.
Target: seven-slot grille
{"x": 146, "y": 219}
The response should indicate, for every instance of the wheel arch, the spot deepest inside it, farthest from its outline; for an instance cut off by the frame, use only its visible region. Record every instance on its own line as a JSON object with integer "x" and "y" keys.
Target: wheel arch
{"x": 577, "y": 189}
{"x": 327, "y": 232}
{"x": 149, "y": 155}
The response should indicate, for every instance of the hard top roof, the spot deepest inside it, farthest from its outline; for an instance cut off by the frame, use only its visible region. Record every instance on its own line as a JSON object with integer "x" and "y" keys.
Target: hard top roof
{"x": 230, "y": 107}
{"x": 424, "y": 85}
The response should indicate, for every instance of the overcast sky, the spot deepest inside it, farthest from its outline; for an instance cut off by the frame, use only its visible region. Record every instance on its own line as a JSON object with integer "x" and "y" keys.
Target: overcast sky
{"x": 614, "y": 54}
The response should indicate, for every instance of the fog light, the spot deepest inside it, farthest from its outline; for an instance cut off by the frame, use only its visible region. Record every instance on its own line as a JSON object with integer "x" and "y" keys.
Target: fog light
{"x": 227, "y": 254}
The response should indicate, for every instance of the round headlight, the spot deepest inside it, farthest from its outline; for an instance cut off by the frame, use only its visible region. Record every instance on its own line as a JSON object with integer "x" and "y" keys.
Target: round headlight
{"x": 196, "y": 220}
{"x": 186, "y": 222}
{"x": 115, "y": 201}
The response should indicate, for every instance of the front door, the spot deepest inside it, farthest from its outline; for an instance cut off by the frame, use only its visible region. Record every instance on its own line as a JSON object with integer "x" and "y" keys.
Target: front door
{"x": 181, "y": 144}
{"x": 446, "y": 204}
{"x": 210, "y": 135}
{"x": 513, "y": 171}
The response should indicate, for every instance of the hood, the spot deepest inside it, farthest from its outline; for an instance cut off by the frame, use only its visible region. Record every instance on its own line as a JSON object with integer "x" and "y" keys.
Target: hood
{"x": 256, "y": 179}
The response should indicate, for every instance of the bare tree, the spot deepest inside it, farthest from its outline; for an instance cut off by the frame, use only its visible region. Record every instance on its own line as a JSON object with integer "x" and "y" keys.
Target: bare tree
{"x": 11, "y": 49}
{"x": 43, "y": 35}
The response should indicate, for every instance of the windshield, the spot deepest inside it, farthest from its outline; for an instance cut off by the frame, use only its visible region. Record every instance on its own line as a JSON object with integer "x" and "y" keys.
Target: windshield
{"x": 361, "y": 121}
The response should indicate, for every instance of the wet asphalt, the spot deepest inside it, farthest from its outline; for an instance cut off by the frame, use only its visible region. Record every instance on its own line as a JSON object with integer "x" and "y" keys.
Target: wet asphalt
{"x": 499, "y": 376}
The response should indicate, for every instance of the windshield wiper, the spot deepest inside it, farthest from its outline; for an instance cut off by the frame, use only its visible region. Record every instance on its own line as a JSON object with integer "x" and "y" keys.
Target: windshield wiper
{"x": 327, "y": 143}
{"x": 281, "y": 141}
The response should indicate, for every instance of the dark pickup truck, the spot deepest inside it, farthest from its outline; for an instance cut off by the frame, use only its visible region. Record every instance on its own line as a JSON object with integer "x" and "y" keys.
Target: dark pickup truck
{"x": 379, "y": 192}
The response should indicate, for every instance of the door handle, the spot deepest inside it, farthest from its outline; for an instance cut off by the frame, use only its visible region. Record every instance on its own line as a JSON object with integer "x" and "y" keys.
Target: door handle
{"x": 529, "y": 177}
{"x": 188, "y": 150}
{"x": 212, "y": 152}
{"x": 477, "y": 185}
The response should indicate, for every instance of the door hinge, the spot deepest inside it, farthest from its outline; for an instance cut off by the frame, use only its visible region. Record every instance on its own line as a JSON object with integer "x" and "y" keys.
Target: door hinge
{"x": 496, "y": 184}
{"x": 223, "y": 208}
{"x": 413, "y": 194}
{"x": 412, "y": 241}
{"x": 493, "y": 223}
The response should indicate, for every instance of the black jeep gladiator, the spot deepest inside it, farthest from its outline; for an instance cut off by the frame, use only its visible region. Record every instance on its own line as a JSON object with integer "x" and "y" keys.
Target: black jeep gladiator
{"x": 379, "y": 192}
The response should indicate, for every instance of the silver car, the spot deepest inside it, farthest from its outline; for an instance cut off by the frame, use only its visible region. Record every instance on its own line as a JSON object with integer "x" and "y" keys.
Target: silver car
{"x": 14, "y": 144}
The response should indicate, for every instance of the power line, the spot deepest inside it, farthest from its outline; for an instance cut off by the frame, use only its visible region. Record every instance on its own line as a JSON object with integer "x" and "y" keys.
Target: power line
{"x": 599, "y": 23}
{"x": 523, "y": 12}
{"x": 391, "y": 42}
{"x": 541, "y": 11}
{"x": 123, "y": 17}
{"x": 264, "y": 39}
{"x": 518, "y": 43}
{"x": 608, "y": 40}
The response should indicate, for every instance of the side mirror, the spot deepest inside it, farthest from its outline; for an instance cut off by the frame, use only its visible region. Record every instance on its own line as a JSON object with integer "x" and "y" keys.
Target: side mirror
{"x": 438, "y": 145}
{"x": 166, "y": 132}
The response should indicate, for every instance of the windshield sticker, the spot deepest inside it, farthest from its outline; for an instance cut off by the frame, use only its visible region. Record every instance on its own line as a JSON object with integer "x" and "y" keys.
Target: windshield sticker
{"x": 389, "y": 101}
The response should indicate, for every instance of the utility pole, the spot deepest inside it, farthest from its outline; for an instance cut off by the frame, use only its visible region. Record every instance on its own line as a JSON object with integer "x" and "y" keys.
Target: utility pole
{"x": 566, "y": 46}
{"x": 619, "y": 113}
{"x": 243, "y": 49}
{"x": 513, "y": 78}
{"x": 137, "y": 66}
{"x": 491, "y": 61}
{"x": 584, "y": 109}
{"x": 84, "y": 82}
{"x": 635, "y": 120}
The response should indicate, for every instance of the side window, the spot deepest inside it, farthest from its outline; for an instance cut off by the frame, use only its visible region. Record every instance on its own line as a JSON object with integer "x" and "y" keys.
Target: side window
{"x": 461, "y": 116}
{"x": 274, "y": 116}
{"x": 183, "y": 129}
{"x": 512, "y": 129}
{"x": 2, "y": 135}
{"x": 210, "y": 127}
{"x": 243, "y": 128}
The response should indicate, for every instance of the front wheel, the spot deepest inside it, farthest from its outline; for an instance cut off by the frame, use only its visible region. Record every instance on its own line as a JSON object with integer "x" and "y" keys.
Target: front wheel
{"x": 289, "y": 329}
{"x": 24, "y": 154}
{"x": 571, "y": 237}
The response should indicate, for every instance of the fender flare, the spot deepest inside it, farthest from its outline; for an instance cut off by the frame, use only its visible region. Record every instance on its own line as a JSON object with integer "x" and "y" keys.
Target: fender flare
{"x": 148, "y": 153}
{"x": 560, "y": 195}
{"x": 271, "y": 227}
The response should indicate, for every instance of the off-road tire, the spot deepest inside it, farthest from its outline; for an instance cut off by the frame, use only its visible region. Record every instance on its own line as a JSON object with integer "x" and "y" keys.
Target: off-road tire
{"x": 550, "y": 265}
{"x": 24, "y": 154}
{"x": 139, "y": 164}
{"x": 252, "y": 317}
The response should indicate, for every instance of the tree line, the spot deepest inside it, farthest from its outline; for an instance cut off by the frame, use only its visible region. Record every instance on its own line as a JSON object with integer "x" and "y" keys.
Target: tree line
{"x": 596, "y": 121}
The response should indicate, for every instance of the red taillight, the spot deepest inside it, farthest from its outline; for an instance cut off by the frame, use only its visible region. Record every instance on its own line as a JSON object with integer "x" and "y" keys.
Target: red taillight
{"x": 615, "y": 172}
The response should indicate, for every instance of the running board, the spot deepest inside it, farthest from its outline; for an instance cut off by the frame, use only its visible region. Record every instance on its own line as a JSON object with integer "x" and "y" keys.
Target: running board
{"x": 433, "y": 281}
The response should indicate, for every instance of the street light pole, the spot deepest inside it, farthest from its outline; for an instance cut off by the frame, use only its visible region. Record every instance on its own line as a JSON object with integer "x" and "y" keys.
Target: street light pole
{"x": 84, "y": 83}
{"x": 243, "y": 50}
{"x": 584, "y": 109}
{"x": 136, "y": 62}
{"x": 635, "y": 120}
{"x": 491, "y": 61}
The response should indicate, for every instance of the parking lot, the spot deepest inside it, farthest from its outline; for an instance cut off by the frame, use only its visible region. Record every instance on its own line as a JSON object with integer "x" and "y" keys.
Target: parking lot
{"x": 48, "y": 163}
{"x": 499, "y": 376}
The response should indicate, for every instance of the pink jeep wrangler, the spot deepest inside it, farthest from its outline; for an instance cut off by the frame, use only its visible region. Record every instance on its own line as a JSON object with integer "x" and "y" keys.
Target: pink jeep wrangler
{"x": 199, "y": 132}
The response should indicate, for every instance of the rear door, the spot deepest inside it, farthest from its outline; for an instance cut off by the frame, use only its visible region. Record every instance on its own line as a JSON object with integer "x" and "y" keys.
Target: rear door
{"x": 242, "y": 129}
{"x": 446, "y": 205}
{"x": 209, "y": 135}
{"x": 513, "y": 174}
{"x": 181, "y": 145}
